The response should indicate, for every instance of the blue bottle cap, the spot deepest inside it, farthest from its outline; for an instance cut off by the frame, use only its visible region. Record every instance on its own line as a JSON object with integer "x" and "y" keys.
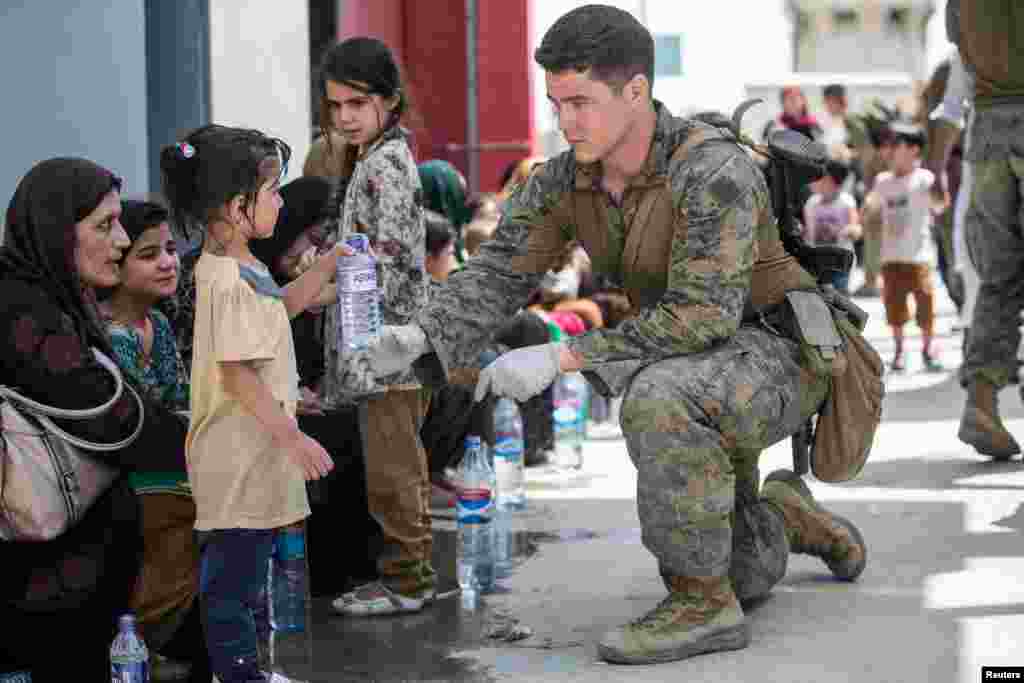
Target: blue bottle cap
{"x": 472, "y": 441}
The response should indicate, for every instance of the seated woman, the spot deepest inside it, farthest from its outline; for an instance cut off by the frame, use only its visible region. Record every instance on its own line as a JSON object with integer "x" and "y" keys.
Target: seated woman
{"x": 64, "y": 240}
{"x": 345, "y": 557}
{"x": 165, "y": 596}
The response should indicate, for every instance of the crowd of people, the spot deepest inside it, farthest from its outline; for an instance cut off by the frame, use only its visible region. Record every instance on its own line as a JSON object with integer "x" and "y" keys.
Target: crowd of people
{"x": 254, "y": 419}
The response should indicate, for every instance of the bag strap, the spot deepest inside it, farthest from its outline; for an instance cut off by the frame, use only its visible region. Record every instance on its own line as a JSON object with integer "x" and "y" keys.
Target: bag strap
{"x": 67, "y": 414}
{"x": 44, "y": 413}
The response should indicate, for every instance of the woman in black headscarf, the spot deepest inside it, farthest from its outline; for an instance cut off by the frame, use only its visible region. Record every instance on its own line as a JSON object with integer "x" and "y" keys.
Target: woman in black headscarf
{"x": 63, "y": 240}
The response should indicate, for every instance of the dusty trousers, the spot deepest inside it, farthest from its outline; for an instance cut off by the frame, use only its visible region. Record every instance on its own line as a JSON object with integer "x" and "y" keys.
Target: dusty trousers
{"x": 694, "y": 426}
{"x": 398, "y": 486}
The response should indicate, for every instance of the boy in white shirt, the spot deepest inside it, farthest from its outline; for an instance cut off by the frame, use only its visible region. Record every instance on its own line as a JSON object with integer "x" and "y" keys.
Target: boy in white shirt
{"x": 908, "y": 250}
{"x": 831, "y": 216}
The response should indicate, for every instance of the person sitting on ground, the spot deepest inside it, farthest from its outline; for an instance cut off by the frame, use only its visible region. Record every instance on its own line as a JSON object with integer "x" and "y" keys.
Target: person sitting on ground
{"x": 444, "y": 192}
{"x": 64, "y": 240}
{"x": 165, "y": 598}
{"x": 486, "y": 214}
{"x": 441, "y": 259}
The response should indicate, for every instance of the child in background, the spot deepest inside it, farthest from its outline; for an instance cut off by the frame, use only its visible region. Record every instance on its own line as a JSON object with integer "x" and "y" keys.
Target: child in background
{"x": 247, "y": 459}
{"x": 441, "y": 258}
{"x": 907, "y": 250}
{"x": 831, "y": 216}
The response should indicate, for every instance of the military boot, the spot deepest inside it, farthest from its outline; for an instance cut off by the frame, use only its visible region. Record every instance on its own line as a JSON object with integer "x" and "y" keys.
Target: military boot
{"x": 812, "y": 529}
{"x": 981, "y": 426}
{"x": 699, "y": 615}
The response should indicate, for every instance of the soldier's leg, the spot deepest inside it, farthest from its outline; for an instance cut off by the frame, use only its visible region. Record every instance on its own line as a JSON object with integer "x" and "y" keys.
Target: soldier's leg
{"x": 684, "y": 420}
{"x": 760, "y": 549}
{"x": 996, "y": 246}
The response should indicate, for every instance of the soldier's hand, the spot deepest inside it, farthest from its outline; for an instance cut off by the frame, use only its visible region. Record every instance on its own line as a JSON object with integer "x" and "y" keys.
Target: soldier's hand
{"x": 397, "y": 348}
{"x": 520, "y": 374}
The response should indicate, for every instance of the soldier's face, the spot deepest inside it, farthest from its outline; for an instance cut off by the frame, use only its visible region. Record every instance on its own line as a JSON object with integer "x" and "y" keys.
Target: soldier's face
{"x": 593, "y": 117}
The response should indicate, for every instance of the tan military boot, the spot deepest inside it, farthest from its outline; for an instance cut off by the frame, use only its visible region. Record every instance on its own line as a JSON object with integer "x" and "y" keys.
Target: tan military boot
{"x": 699, "y": 615}
{"x": 812, "y": 529}
{"x": 981, "y": 426}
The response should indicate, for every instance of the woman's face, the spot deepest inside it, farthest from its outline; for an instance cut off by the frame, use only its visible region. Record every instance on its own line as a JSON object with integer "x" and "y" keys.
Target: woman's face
{"x": 442, "y": 263}
{"x": 359, "y": 117}
{"x": 793, "y": 103}
{"x": 150, "y": 268}
{"x": 315, "y": 236}
{"x": 99, "y": 242}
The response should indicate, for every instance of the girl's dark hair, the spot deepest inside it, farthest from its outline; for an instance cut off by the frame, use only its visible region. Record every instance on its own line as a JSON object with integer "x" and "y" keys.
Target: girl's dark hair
{"x": 367, "y": 65}
{"x": 608, "y": 41}
{"x": 440, "y": 232}
{"x": 214, "y": 164}
{"x": 138, "y": 216}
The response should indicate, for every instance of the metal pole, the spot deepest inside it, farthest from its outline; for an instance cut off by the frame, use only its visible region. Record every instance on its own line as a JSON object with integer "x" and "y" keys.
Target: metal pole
{"x": 641, "y": 12}
{"x": 472, "y": 99}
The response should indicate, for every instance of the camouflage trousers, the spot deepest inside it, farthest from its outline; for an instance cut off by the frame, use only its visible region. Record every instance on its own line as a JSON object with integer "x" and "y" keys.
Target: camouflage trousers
{"x": 994, "y": 226}
{"x": 695, "y": 427}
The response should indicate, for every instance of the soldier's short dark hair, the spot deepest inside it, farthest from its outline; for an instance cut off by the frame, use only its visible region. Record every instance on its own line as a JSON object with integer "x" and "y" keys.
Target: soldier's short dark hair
{"x": 607, "y": 41}
{"x": 838, "y": 170}
{"x": 834, "y": 90}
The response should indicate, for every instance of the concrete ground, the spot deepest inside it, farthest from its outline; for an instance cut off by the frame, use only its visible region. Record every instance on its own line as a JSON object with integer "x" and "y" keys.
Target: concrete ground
{"x": 942, "y": 595}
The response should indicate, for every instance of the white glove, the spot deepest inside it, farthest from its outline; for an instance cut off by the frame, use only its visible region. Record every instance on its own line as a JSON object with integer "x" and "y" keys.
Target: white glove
{"x": 397, "y": 348}
{"x": 522, "y": 373}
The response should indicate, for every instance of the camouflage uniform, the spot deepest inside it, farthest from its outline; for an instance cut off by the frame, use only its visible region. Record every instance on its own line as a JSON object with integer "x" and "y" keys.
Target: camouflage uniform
{"x": 985, "y": 31}
{"x": 383, "y": 199}
{"x": 695, "y": 245}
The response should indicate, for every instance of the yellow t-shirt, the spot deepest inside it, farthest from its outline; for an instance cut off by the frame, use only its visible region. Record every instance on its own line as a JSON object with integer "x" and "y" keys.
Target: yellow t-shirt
{"x": 239, "y": 479}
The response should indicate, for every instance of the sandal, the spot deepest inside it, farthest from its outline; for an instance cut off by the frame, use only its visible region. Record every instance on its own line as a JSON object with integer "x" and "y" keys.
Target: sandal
{"x": 897, "y": 363}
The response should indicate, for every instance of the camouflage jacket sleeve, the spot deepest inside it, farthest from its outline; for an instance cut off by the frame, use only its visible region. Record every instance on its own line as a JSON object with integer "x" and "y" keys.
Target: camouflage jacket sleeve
{"x": 720, "y": 197}
{"x": 388, "y": 209}
{"x": 464, "y": 313}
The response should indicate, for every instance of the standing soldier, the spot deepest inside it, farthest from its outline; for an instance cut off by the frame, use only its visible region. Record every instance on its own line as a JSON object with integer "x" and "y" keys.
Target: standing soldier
{"x": 678, "y": 213}
{"x": 985, "y": 31}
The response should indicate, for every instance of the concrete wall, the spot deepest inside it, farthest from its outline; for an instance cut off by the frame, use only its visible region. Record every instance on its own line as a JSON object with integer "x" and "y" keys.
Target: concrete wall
{"x": 259, "y": 70}
{"x": 74, "y": 81}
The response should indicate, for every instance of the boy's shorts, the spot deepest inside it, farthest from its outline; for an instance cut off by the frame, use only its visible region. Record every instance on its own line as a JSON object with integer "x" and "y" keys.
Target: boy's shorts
{"x": 901, "y": 280}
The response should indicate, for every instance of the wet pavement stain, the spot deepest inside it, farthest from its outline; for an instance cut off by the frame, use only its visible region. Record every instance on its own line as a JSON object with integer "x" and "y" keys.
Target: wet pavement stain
{"x": 421, "y": 646}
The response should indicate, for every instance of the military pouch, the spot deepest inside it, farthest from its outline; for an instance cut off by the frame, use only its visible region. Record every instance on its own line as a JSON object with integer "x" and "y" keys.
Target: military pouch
{"x": 808, "y": 319}
{"x": 846, "y": 425}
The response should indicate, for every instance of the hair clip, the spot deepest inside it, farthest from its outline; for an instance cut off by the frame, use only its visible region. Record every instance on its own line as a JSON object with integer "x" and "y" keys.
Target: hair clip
{"x": 186, "y": 150}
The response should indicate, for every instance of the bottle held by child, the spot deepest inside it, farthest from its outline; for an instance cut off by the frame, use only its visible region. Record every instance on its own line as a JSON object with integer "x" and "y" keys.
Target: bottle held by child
{"x": 358, "y": 296}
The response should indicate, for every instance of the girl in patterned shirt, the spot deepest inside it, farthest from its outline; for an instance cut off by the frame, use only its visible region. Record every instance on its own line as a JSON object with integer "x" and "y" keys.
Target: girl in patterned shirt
{"x": 362, "y": 97}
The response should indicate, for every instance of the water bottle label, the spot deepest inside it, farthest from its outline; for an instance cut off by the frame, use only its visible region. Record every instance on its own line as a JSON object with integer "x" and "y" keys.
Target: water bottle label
{"x": 567, "y": 413}
{"x": 129, "y": 672}
{"x": 507, "y": 447}
{"x": 475, "y": 500}
{"x": 357, "y": 280}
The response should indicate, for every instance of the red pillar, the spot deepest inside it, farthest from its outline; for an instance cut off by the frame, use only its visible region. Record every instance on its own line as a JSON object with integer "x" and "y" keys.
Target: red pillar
{"x": 430, "y": 40}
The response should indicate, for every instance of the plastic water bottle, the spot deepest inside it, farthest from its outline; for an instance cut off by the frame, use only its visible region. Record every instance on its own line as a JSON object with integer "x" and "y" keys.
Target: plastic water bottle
{"x": 570, "y": 419}
{"x": 473, "y": 510}
{"x": 288, "y": 586}
{"x": 509, "y": 467}
{"x": 129, "y": 658}
{"x": 358, "y": 296}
